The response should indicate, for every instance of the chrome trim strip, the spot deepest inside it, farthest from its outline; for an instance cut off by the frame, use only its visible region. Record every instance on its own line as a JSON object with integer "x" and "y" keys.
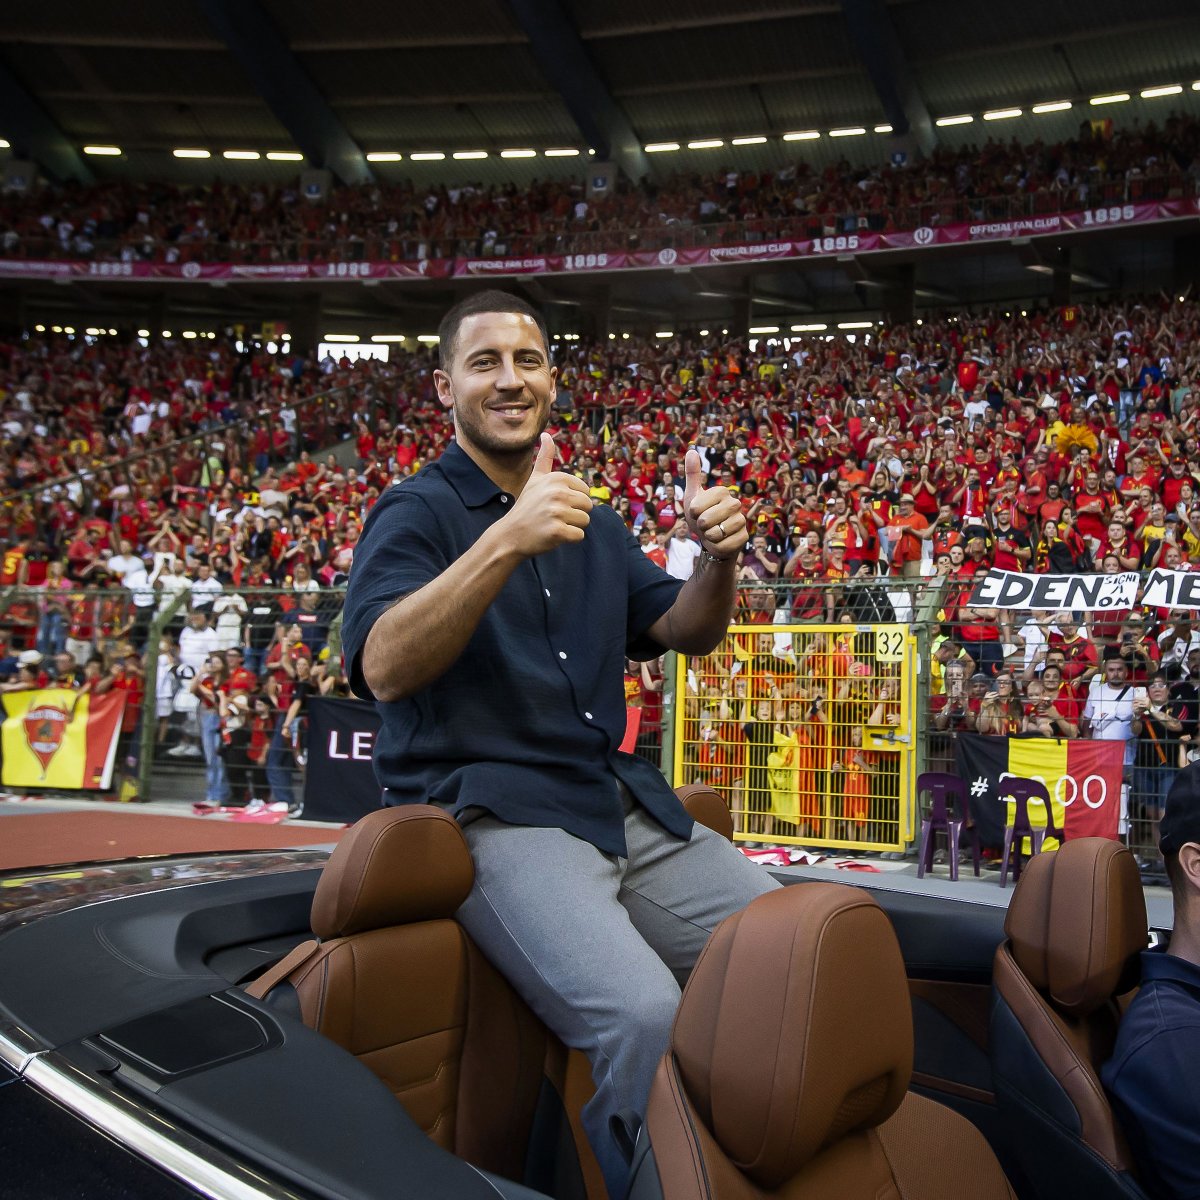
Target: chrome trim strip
{"x": 17, "y": 1048}
{"x": 150, "y": 1135}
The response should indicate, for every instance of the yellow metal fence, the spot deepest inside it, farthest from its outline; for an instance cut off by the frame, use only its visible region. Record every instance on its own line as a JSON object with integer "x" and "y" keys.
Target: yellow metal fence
{"x": 807, "y": 731}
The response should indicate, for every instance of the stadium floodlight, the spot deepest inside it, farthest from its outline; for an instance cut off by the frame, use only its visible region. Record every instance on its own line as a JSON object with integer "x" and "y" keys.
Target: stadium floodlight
{"x": 143, "y": 333}
{"x": 803, "y": 135}
{"x": 466, "y": 154}
{"x": 1195, "y": 88}
{"x": 189, "y": 333}
{"x": 4, "y": 144}
{"x": 704, "y": 333}
{"x": 852, "y": 131}
{"x": 188, "y": 152}
{"x": 430, "y": 339}
{"x": 706, "y": 144}
{"x": 757, "y": 140}
{"x": 285, "y": 156}
{"x": 69, "y": 329}
{"x": 103, "y": 151}
{"x": 340, "y": 337}
{"x": 383, "y": 156}
{"x": 561, "y": 152}
{"x": 387, "y": 337}
{"x": 427, "y": 156}
{"x": 1002, "y": 114}
{"x": 92, "y": 331}
{"x": 1052, "y": 106}
{"x": 167, "y": 333}
{"x": 763, "y": 329}
{"x": 242, "y": 155}
{"x": 664, "y": 333}
{"x": 856, "y": 324}
{"x": 39, "y": 329}
{"x": 660, "y": 147}
{"x": 815, "y": 327}
{"x": 1111, "y": 98}
{"x": 1169, "y": 89}
{"x": 518, "y": 154}
{"x": 964, "y": 119}
{"x": 883, "y": 129}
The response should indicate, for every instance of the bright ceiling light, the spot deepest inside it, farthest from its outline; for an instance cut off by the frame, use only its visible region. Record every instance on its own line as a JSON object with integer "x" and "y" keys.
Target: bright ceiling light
{"x": 92, "y": 331}
{"x": 1195, "y": 88}
{"x": 242, "y": 155}
{"x": 660, "y": 147}
{"x": 340, "y": 337}
{"x": 1170, "y": 89}
{"x": 284, "y": 156}
{"x": 561, "y": 152}
{"x": 804, "y": 135}
{"x": 68, "y": 329}
{"x": 430, "y": 339}
{"x": 1052, "y": 106}
{"x": 853, "y": 131}
{"x": 1001, "y": 114}
{"x": 704, "y": 333}
{"x": 757, "y": 140}
{"x": 466, "y": 154}
{"x": 883, "y": 129}
{"x": 518, "y": 154}
{"x": 189, "y": 333}
{"x": 427, "y": 156}
{"x": 3, "y": 144}
{"x": 103, "y": 151}
{"x": 187, "y": 153}
{"x": 39, "y": 329}
{"x": 143, "y": 333}
{"x": 664, "y": 333}
{"x": 384, "y": 156}
{"x": 166, "y": 333}
{"x": 387, "y": 337}
{"x": 706, "y": 144}
{"x": 817, "y": 327}
{"x": 942, "y": 122}
{"x": 764, "y": 329}
{"x": 856, "y": 324}
{"x": 1111, "y": 98}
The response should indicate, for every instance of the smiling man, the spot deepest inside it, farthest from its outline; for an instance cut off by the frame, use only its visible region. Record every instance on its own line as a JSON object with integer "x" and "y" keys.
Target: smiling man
{"x": 489, "y": 614}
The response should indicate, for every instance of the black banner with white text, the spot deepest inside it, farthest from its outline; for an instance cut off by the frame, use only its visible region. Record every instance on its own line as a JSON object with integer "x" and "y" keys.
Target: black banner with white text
{"x": 340, "y": 783}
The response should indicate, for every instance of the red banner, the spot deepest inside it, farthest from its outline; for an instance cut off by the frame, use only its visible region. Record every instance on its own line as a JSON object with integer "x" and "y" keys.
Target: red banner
{"x": 957, "y": 233}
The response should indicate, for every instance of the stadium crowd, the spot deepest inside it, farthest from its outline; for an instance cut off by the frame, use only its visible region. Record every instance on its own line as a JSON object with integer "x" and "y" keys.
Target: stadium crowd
{"x": 124, "y": 221}
{"x": 1041, "y": 441}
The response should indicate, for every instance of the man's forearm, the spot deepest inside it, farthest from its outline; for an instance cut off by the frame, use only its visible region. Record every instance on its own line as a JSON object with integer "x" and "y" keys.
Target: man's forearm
{"x": 419, "y": 638}
{"x": 697, "y": 621}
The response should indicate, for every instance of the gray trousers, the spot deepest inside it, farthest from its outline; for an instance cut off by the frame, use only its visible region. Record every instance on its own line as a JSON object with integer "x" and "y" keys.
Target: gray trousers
{"x": 594, "y": 943}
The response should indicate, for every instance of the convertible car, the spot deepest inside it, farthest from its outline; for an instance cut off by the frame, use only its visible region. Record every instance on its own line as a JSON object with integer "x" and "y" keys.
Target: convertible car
{"x": 298, "y": 1024}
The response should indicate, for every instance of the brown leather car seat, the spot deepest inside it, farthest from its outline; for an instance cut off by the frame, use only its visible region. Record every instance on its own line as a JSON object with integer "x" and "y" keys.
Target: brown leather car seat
{"x": 1075, "y": 928}
{"x": 789, "y": 1064}
{"x": 392, "y": 978}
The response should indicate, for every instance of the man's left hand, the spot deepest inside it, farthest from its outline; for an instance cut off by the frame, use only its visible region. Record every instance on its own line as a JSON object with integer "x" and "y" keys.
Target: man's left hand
{"x": 713, "y": 514}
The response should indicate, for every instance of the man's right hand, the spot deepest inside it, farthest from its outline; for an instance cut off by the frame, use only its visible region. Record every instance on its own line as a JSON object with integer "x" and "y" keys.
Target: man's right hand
{"x": 554, "y": 508}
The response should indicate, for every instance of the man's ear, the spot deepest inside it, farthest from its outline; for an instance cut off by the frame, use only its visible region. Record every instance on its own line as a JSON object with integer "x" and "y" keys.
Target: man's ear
{"x": 445, "y": 390}
{"x": 1189, "y": 864}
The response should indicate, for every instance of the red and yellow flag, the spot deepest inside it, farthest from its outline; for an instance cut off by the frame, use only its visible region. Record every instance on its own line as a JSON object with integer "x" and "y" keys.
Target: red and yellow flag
{"x": 56, "y": 738}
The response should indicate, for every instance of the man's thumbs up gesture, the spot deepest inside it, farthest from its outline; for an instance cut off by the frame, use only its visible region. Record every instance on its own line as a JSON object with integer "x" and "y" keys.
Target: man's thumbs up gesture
{"x": 713, "y": 514}
{"x": 553, "y": 507}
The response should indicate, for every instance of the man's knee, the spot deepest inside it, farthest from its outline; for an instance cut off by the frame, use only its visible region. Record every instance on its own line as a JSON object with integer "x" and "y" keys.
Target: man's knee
{"x": 648, "y": 1014}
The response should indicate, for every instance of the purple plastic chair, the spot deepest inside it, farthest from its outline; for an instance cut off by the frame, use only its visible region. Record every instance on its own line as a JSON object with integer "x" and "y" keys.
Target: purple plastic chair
{"x": 946, "y": 818}
{"x": 1021, "y": 791}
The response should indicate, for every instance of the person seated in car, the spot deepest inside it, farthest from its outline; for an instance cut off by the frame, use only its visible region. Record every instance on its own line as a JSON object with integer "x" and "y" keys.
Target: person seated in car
{"x": 1151, "y": 1075}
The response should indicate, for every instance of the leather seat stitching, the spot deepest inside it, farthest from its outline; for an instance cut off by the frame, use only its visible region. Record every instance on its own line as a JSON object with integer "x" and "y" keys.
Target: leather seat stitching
{"x": 408, "y": 1087}
{"x": 681, "y": 1107}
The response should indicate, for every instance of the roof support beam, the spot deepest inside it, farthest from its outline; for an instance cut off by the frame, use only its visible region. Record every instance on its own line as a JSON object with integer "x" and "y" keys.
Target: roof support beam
{"x": 33, "y": 133}
{"x": 253, "y": 39}
{"x": 879, "y": 47}
{"x": 568, "y": 67}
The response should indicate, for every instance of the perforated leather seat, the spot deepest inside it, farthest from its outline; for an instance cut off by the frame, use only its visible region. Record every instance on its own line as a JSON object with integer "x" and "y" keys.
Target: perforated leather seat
{"x": 789, "y": 1064}
{"x": 393, "y": 979}
{"x": 1076, "y": 926}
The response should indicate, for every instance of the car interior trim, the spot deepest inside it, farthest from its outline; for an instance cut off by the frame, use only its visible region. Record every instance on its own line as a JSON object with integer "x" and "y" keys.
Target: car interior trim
{"x": 155, "y": 1139}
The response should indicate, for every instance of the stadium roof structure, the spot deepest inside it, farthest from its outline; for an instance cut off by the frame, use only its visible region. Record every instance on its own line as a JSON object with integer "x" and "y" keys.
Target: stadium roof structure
{"x": 495, "y": 91}
{"x": 337, "y": 83}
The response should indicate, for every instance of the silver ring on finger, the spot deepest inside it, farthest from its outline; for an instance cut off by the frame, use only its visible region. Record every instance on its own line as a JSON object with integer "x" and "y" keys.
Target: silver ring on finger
{"x": 721, "y": 528}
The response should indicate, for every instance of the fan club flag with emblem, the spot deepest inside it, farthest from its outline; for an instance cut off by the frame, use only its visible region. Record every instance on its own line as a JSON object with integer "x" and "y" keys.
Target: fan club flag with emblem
{"x": 1082, "y": 777}
{"x": 60, "y": 739}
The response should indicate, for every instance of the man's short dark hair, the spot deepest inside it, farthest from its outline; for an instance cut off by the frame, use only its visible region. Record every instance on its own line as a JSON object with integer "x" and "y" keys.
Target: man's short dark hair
{"x": 491, "y": 301}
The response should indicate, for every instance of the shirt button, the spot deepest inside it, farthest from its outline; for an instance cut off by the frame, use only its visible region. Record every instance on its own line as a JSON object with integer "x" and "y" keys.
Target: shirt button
{"x": 562, "y": 654}
{"x": 547, "y": 592}
{"x": 503, "y": 499}
{"x": 588, "y": 715}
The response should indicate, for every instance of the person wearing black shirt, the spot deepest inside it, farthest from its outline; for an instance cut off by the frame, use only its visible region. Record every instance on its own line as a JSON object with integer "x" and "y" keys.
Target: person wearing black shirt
{"x": 1158, "y": 720}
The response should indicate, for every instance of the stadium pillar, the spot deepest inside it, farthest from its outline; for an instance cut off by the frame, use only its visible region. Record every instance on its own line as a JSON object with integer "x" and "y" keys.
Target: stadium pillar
{"x": 13, "y": 312}
{"x": 1060, "y": 286}
{"x": 304, "y": 324}
{"x": 597, "y": 314}
{"x": 899, "y": 295}
{"x": 1185, "y": 263}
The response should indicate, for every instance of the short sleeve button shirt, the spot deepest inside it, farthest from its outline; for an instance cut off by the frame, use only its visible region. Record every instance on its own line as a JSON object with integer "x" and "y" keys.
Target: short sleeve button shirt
{"x": 528, "y": 721}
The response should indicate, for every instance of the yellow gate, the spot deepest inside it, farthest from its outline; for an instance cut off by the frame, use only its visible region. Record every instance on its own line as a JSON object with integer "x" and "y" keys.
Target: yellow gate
{"x": 807, "y": 731}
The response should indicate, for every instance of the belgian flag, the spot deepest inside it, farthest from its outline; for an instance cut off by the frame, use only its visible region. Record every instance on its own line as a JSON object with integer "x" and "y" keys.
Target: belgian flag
{"x": 1082, "y": 777}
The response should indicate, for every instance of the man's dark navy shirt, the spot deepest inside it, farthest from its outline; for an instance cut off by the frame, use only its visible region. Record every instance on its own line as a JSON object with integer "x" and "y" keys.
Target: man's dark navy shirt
{"x": 1154, "y": 1075}
{"x": 528, "y": 721}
